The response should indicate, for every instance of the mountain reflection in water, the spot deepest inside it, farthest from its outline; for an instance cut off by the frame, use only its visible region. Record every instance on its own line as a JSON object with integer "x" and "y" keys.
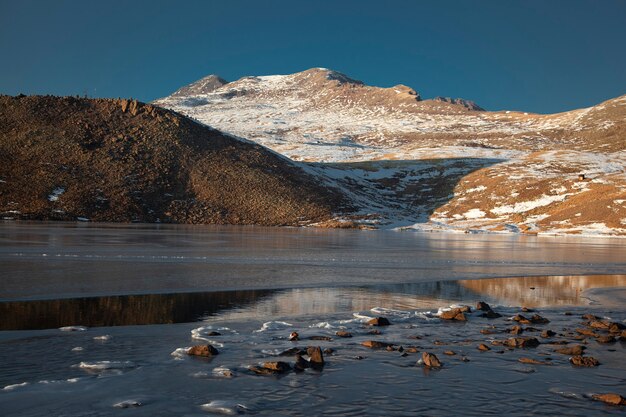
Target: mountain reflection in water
{"x": 188, "y": 307}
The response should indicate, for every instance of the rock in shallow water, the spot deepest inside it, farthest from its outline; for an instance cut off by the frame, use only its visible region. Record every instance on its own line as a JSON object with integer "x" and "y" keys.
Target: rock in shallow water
{"x": 584, "y": 361}
{"x": 379, "y": 321}
{"x": 453, "y": 314}
{"x": 316, "y": 358}
{"x": 522, "y": 342}
{"x": 532, "y": 361}
{"x": 483, "y": 306}
{"x": 374, "y": 344}
{"x": 430, "y": 360}
{"x": 202, "y": 350}
{"x": 575, "y": 350}
{"x": 271, "y": 368}
{"x": 613, "y": 399}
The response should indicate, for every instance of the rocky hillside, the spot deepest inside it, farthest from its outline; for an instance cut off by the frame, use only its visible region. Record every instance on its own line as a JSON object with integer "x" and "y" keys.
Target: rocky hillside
{"x": 65, "y": 158}
{"x": 431, "y": 164}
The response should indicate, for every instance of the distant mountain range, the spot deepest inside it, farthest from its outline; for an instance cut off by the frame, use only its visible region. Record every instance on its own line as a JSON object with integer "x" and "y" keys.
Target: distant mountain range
{"x": 341, "y": 154}
{"x": 442, "y": 163}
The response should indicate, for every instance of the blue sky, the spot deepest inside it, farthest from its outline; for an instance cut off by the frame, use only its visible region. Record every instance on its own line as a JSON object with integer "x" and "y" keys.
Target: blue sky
{"x": 533, "y": 55}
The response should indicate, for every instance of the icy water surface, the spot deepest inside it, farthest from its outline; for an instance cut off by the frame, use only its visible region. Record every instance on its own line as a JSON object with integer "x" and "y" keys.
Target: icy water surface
{"x": 53, "y": 260}
{"x": 255, "y": 286}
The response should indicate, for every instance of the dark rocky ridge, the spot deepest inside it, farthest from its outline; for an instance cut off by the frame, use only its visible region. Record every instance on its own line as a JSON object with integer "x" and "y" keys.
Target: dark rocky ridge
{"x": 122, "y": 161}
{"x": 468, "y": 104}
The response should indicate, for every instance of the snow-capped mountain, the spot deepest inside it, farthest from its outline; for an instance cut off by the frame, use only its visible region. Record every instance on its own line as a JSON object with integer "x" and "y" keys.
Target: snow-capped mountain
{"x": 431, "y": 163}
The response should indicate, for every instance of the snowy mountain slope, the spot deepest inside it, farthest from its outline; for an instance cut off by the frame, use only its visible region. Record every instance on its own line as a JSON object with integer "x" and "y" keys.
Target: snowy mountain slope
{"x": 431, "y": 164}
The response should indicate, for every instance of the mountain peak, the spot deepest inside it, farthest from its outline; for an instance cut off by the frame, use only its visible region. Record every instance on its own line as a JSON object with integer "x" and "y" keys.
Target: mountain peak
{"x": 330, "y": 75}
{"x": 204, "y": 85}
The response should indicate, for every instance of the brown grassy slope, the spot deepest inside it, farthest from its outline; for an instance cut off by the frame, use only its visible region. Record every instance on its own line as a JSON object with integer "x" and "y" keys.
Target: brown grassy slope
{"x": 124, "y": 161}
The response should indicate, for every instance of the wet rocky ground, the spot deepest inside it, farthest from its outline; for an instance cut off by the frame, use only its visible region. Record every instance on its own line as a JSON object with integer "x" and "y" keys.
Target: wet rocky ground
{"x": 469, "y": 360}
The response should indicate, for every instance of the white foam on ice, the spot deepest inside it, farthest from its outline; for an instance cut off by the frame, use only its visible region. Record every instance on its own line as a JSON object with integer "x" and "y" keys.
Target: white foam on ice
{"x": 15, "y": 386}
{"x": 104, "y": 365}
{"x": 274, "y": 325}
{"x": 229, "y": 408}
{"x": 73, "y": 329}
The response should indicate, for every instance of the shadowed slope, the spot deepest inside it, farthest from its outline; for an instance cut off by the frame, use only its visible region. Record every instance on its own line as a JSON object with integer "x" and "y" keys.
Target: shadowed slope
{"x": 120, "y": 160}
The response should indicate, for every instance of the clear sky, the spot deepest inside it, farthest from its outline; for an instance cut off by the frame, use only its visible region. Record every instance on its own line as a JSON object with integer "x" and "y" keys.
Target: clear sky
{"x": 532, "y": 55}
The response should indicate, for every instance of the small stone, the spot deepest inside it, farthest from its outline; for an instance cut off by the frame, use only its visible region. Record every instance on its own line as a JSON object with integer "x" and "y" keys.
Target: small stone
{"x": 516, "y": 330}
{"x": 438, "y": 343}
{"x": 532, "y": 361}
{"x": 316, "y": 357}
{"x": 453, "y": 314}
{"x": 527, "y": 310}
{"x": 277, "y": 367}
{"x": 343, "y": 333}
{"x": 202, "y": 350}
{"x": 547, "y": 333}
{"x": 430, "y": 360}
{"x": 294, "y": 336}
{"x": 584, "y": 361}
{"x": 465, "y": 359}
{"x": 374, "y": 344}
{"x": 521, "y": 319}
{"x": 322, "y": 338}
{"x": 329, "y": 351}
{"x": 261, "y": 371}
{"x": 522, "y": 342}
{"x": 587, "y": 332}
{"x": 483, "y": 347}
{"x": 290, "y": 352}
{"x": 616, "y": 327}
{"x": 449, "y": 353}
{"x": 591, "y": 317}
{"x": 214, "y": 334}
{"x": 487, "y": 331}
{"x": 606, "y": 339}
{"x": 374, "y": 332}
{"x": 599, "y": 325}
{"x": 483, "y": 306}
{"x": 411, "y": 349}
{"x": 537, "y": 319}
{"x": 491, "y": 315}
{"x": 379, "y": 321}
{"x": 613, "y": 399}
{"x": 301, "y": 363}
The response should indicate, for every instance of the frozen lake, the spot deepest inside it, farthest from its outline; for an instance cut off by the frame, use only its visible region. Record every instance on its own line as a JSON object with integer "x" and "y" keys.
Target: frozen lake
{"x": 55, "y": 260}
{"x": 254, "y": 286}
